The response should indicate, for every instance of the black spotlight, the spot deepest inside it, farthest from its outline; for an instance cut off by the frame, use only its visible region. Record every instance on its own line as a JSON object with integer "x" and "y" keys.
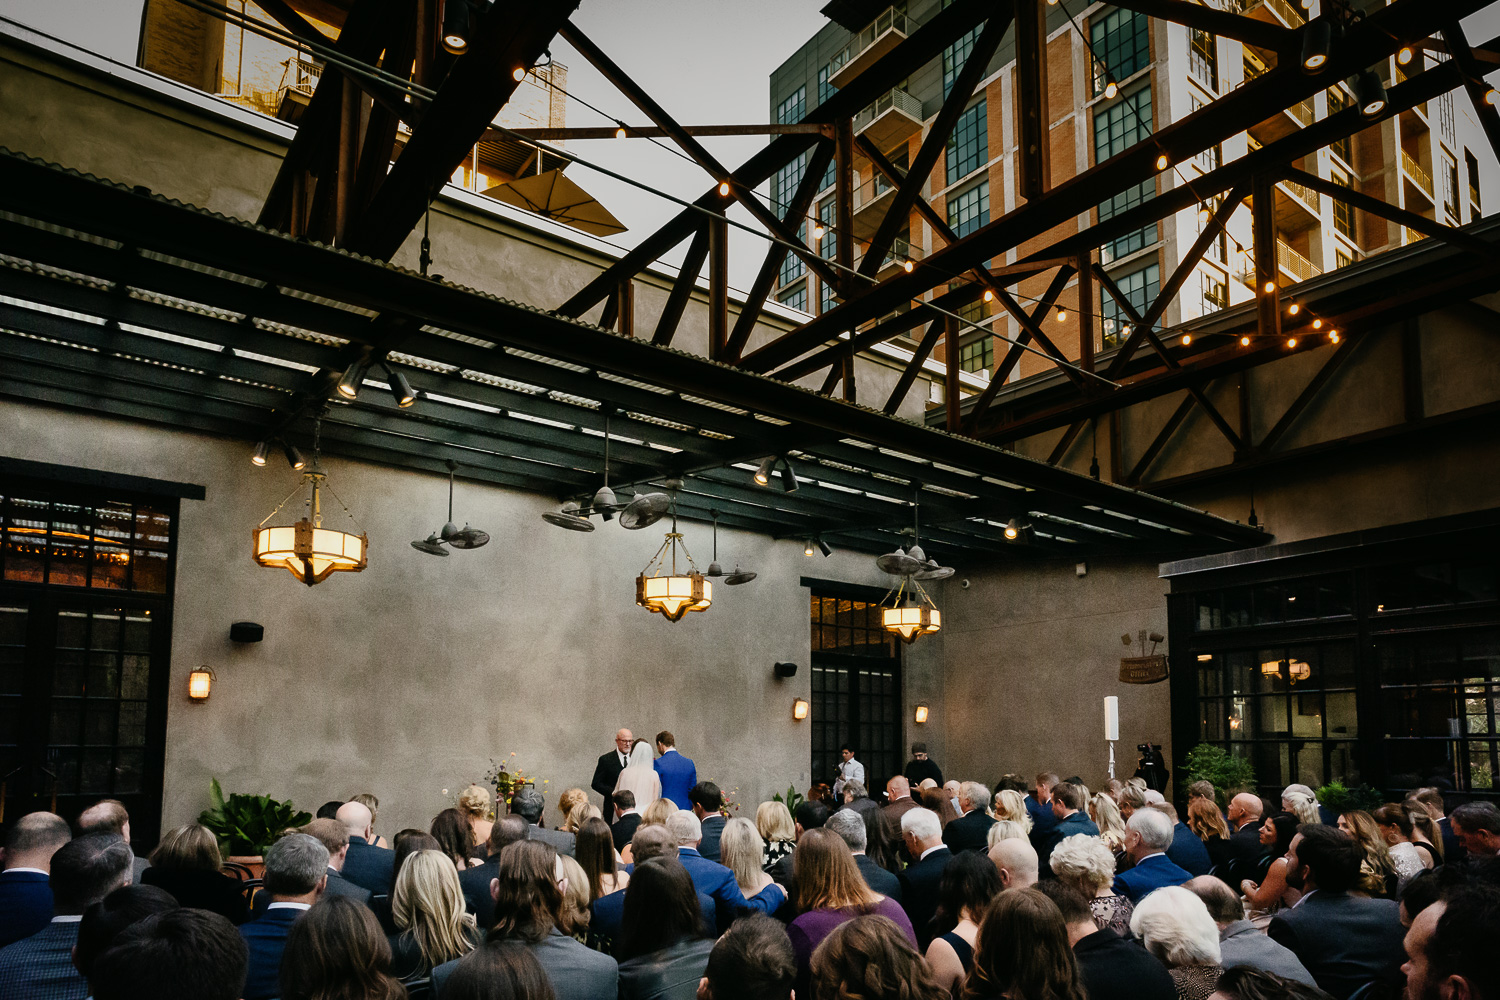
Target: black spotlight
{"x": 788, "y": 477}
{"x": 353, "y": 378}
{"x": 400, "y": 388}
{"x": 456, "y": 27}
{"x": 1317, "y": 40}
{"x": 786, "y": 670}
{"x": 293, "y": 456}
{"x": 1369, "y": 92}
{"x": 823, "y": 547}
{"x": 258, "y": 456}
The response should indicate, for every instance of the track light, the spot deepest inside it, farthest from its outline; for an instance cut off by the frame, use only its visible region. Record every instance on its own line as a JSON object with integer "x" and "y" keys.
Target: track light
{"x": 1111, "y": 89}
{"x": 400, "y": 388}
{"x": 518, "y": 74}
{"x": 807, "y": 548}
{"x": 1405, "y": 56}
{"x": 823, "y": 547}
{"x": 1291, "y": 342}
{"x": 258, "y": 456}
{"x": 788, "y": 477}
{"x": 1244, "y": 341}
{"x": 1012, "y": 529}
{"x": 1317, "y": 324}
{"x": 763, "y": 474}
{"x": 1163, "y": 162}
{"x": 353, "y": 378}
{"x": 1062, "y": 315}
{"x": 1369, "y": 93}
{"x": 1293, "y": 309}
{"x": 1187, "y": 338}
{"x": 1317, "y": 39}
{"x": 456, "y": 27}
{"x": 293, "y": 456}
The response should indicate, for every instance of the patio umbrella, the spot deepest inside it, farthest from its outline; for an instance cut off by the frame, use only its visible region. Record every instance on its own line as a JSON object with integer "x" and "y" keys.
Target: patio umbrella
{"x": 554, "y": 196}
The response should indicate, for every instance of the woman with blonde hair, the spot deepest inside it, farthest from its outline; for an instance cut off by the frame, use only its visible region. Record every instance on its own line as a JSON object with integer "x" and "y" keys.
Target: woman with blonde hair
{"x": 657, "y": 812}
{"x": 187, "y": 864}
{"x": 567, "y": 802}
{"x": 474, "y": 803}
{"x": 1377, "y": 872}
{"x": 576, "y": 816}
{"x": 573, "y": 919}
{"x": 741, "y": 850}
{"x": 1301, "y": 805}
{"x": 1086, "y": 865}
{"x": 427, "y": 905}
{"x": 1106, "y": 816}
{"x": 371, "y": 803}
{"x": 773, "y": 821}
{"x": 1004, "y": 829}
{"x": 1011, "y": 805}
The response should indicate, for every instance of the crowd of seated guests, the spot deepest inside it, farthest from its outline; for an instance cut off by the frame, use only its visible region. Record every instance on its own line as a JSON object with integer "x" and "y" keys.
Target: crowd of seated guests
{"x": 1042, "y": 889}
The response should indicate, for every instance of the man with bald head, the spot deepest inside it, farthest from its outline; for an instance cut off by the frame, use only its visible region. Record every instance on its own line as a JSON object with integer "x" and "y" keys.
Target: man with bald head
{"x": 898, "y": 799}
{"x": 1239, "y": 855}
{"x": 1016, "y": 861}
{"x": 366, "y": 865}
{"x": 25, "y": 896}
{"x": 607, "y": 771}
{"x": 109, "y": 816}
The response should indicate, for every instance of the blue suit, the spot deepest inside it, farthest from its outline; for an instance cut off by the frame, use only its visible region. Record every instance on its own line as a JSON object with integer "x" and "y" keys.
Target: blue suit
{"x": 369, "y": 867}
{"x": 1148, "y": 876}
{"x": 717, "y": 882}
{"x": 1074, "y": 823}
{"x": 1188, "y": 852}
{"x": 40, "y": 967}
{"x": 1043, "y": 821}
{"x": 678, "y": 776}
{"x": 25, "y": 905}
{"x": 713, "y": 829}
{"x": 266, "y": 939}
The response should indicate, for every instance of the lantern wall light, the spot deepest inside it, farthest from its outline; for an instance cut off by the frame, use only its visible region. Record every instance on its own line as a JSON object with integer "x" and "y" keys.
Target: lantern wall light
{"x": 200, "y": 684}
{"x": 922, "y": 712}
{"x": 799, "y": 709}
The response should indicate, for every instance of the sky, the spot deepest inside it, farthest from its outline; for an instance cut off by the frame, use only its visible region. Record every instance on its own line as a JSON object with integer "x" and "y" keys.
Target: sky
{"x": 707, "y": 62}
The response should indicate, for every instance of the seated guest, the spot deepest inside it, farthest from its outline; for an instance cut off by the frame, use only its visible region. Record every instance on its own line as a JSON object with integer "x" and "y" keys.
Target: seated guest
{"x": 1068, "y": 801}
{"x": 773, "y": 821}
{"x": 475, "y": 882}
{"x": 707, "y": 800}
{"x": 568, "y": 803}
{"x": 104, "y": 921}
{"x": 1240, "y": 941}
{"x": 1411, "y": 851}
{"x": 371, "y": 803}
{"x": 1300, "y": 801}
{"x": 882, "y": 838}
{"x": 454, "y": 835}
{"x": 183, "y": 954}
{"x": 752, "y": 961}
{"x": 1245, "y": 983}
{"x": 1207, "y": 824}
{"x": 367, "y": 866}
{"x": 528, "y": 804}
{"x": 872, "y": 958}
{"x": 713, "y": 878}
{"x": 1005, "y": 829}
{"x": 1112, "y": 967}
{"x": 969, "y": 884}
{"x": 504, "y": 971}
{"x": 939, "y": 801}
{"x": 474, "y": 803}
{"x": 187, "y": 864}
{"x": 1430, "y": 800}
{"x": 1039, "y": 808}
{"x": 1377, "y": 872}
{"x": 329, "y": 833}
{"x": 529, "y": 890}
{"x": 1273, "y": 892}
{"x": 851, "y": 827}
{"x": 810, "y": 815}
{"x": 25, "y": 897}
{"x": 829, "y": 892}
{"x": 408, "y": 842}
{"x": 427, "y": 905}
{"x": 1016, "y": 863}
{"x": 329, "y": 809}
{"x": 1345, "y": 941}
{"x": 626, "y": 817}
{"x": 1023, "y": 951}
{"x": 1148, "y": 834}
{"x": 662, "y": 949}
{"x": 609, "y": 911}
{"x": 898, "y": 798}
{"x": 575, "y": 915}
{"x": 741, "y": 850}
{"x": 1174, "y": 925}
{"x": 967, "y": 833}
{"x": 84, "y": 871}
{"x": 296, "y": 872}
{"x": 1244, "y": 849}
{"x": 921, "y": 882}
{"x": 337, "y": 950}
{"x": 575, "y": 817}
{"x": 1088, "y": 867}
{"x": 1105, "y": 812}
{"x": 594, "y": 849}
{"x": 109, "y": 816}
{"x": 1011, "y": 805}
{"x": 1476, "y": 828}
{"x": 853, "y": 791}
{"x": 1187, "y": 851}
{"x": 1450, "y": 948}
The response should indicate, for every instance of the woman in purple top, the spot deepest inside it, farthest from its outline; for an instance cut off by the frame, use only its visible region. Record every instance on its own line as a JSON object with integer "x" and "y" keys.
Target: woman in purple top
{"x": 830, "y": 891}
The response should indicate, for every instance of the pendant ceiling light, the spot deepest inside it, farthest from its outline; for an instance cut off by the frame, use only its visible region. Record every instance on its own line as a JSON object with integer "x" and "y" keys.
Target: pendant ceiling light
{"x": 666, "y": 591}
{"x": 1290, "y": 671}
{"x": 308, "y": 549}
{"x": 715, "y": 571}
{"x": 640, "y": 512}
{"x": 451, "y": 535}
{"x": 908, "y": 611}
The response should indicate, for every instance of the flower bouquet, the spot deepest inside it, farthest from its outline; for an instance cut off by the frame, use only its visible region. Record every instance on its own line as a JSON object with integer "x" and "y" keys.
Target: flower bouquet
{"x": 508, "y": 777}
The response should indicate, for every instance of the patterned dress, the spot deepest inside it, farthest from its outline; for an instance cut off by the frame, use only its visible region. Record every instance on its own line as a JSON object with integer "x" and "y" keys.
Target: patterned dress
{"x": 1195, "y": 982}
{"x": 1112, "y": 913}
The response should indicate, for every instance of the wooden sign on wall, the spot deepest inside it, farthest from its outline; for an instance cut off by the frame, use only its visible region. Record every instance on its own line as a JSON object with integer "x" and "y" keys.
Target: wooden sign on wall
{"x": 1143, "y": 669}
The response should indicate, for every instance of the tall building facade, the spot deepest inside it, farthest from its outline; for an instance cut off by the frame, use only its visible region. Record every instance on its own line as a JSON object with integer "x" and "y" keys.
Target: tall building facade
{"x": 1113, "y": 78}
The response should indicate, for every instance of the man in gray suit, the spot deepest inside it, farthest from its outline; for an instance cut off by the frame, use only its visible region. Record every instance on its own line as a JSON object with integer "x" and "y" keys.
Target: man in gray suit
{"x": 109, "y": 816}
{"x": 1240, "y": 941}
{"x": 528, "y": 804}
{"x": 1344, "y": 941}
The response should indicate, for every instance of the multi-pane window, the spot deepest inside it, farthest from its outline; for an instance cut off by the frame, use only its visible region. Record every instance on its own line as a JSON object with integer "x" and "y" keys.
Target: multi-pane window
{"x": 793, "y": 108}
{"x": 1450, "y": 187}
{"x": 825, "y": 89}
{"x": 977, "y": 355}
{"x": 1343, "y": 212}
{"x": 784, "y": 182}
{"x": 1442, "y": 699}
{"x": 829, "y": 245}
{"x": 1140, "y": 288}
{"x": 1121, "y": 42}
{"x": 968, "y": 146}
{"x": 1342, "y": 258}
{"x": 826, "y": 300}
{"x": 794, "y": 298}
{"x": 974, "y": 310}
{"x": 1141, "y": 238}
{"x": 1342, "y": 147}
{"x": 1116, "y": 128}
{"x": 1215, "y": 292}
{"x": 829, "y": 177}
{"x": 1471, "y": 167}
{"x": 954, "y": 57}
{"x": 106, "y": 545}
{"x": 1203, "y": 57}
{"x": 792, "y": 266}
{"x": 970, "y": 209}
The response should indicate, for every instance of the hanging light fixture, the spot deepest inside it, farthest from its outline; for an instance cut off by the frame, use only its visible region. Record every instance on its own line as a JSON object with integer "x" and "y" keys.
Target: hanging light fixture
{"x": 911, "y": 612}
{"x": 262, "y": 450}
{"x": 1317, "y": 40}
{"x": 456, "y": 27}
{"x": 1369, "y": 93}
{"x": 307, "y": 549}
{"x": 667, "y": 592}
{"x": 451, "y": 534}
{"x": 763, "y": 473}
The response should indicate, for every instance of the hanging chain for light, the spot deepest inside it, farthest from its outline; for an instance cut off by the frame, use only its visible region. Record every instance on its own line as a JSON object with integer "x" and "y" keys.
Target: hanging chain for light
{"x": 667, "y": 592}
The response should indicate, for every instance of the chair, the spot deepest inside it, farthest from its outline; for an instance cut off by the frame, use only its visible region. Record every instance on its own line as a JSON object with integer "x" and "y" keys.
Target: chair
{"x": 239, "y": 871}
{"x": 1369, "y": 991}
{"x": 419, "y": 989}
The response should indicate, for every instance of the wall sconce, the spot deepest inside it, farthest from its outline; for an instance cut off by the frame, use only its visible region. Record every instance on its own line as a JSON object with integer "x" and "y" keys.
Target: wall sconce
{"x": 921, "y": 712}
{"x": 799, "y": 709}
{"x": 200, "y": 681}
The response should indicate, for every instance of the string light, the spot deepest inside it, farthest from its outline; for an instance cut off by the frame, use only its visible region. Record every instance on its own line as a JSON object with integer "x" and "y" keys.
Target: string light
{"x": 1187, "y": 338}
{"x": 723, "y": 189}
{"x": 1405, "y": 55}
{"x": 1244, "y": 341}
{"x": 1270, "y": 288}
{"x": 1333, "y": 336}
{"x": 1317, "y": 324}
{"x": 519, "y": 74}
{"x": 1204, "y": 215}
{"x": 817, "y": 230}
{"x": 1162, "y": 162}
{"x": 1062, "y": 315}
{"x": 1490, "y": 97}
{"x": 1291, "y": 342}
{"x": 620, "y": 132}
{"x": 1293, "y": 309}
{"x": 1111, "y": 89}
{"x": 906, "y": 266}
{"x": 989, "y": 296}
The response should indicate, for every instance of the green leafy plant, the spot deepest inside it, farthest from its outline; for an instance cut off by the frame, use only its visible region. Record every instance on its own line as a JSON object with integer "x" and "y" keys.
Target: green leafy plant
{"x": 246, "y": 825}
{"x": 1227, "y": 773}
{"x": 1340, "y": 799}
{"x": 792, "y": 800}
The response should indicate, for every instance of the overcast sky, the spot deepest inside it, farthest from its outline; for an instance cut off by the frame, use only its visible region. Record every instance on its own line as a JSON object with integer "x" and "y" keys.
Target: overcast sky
{"x": 707, "y": 62}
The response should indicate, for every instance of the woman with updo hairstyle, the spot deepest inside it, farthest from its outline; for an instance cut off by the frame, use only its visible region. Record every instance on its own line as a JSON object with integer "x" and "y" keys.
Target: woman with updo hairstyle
{"x": 574, "y": 819}
{"x": 969, "y": 883}
{"x": 335, "y": 951}
{"x": 657, "y": 812}
{"x": 451, "y": 830}
{"x": 1106, "y": 816}
{"x": 872, "y": 959}
{"x": 1083, "y": 863}
{"x": 1022, "y": 952}
{"x": 1011, "y": 805}
{"x": 427, "y": 905}
{"x": 371, "y": 803}
{"x": 1301, "y": 805}
{"x": 568, "y": 801}
{"x": 1402, "y": 840}
{"x": 474, "y": 803}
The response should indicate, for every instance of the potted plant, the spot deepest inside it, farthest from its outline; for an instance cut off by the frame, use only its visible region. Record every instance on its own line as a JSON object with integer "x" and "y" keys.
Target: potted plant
{"x": 1226, "y": 772}
{"x": 246, "y": 825}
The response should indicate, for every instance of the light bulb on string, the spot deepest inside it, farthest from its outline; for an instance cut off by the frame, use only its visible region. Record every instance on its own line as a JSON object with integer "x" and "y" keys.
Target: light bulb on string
{"x": 1333, "y": 336}
{"x": 1244, "y": 341}
{"x": 1187, "y": 338}
{"x": 1317, "y": 324}
{"x": 1163, "y": 162}
{"x": 1405, "y": 56}
{"x": 620, "y": 132}
{"x": 1291, "y": 342}
{"x": 519, "y": 74}
{"x": 1269, "y": 287}
{"x": 989, "y": 296}
{"x": 1062, "y": 315}
{"x": 1111, "y": 89}
{"x": 1293, "y": 309}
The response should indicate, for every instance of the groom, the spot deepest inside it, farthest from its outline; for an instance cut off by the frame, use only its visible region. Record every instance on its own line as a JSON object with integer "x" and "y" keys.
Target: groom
{"x": 678, "y": 774}
{"x": 611, "y": 764}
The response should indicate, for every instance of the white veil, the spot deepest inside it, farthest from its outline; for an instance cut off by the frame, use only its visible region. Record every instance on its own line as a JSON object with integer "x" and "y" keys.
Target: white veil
{"x": 641, "y": 755}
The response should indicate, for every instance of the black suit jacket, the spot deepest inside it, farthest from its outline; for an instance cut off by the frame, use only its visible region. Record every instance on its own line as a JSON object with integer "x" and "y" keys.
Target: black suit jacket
{"x": 970, "y": 832}
{"x": 606, "y": 773}
{"x": 1344, "y": 941}
{"x": 713, "y": 829}
{"x": 877, "y": 878}
{"x": 919, "y": 892}
{"x": 1240, "y": 855}
{"x": 475, "y": 883}
{"x": 370, "y": 867}
{"x": 624, "y": 828}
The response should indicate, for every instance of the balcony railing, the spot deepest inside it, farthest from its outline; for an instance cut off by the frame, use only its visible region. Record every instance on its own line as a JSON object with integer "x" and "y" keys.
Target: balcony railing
{"x": 1292, "y": 16}
{"x": 891, "y": 22}
{"x": 1294, "y": 263}
{"x": 1303, "y": 111}
{"x": 1414, "y": 170}
{"x": 1308, "y": 196}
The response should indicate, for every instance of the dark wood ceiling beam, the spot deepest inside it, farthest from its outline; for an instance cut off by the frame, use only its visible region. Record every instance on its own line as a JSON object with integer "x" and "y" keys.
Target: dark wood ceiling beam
{"x": 1240, "y": 27}
{"x": 682, "y": 288}
{"x": 1017, "y": 348}
{"x": 914, "y": 366}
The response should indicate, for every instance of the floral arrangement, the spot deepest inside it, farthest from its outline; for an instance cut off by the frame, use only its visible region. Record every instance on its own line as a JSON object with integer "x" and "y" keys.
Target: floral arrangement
{"x": 507, "y": 777}
{"x": 729, "y": 806}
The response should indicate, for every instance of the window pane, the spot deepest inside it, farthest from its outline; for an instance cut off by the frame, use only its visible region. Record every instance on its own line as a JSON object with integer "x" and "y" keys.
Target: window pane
{"x": 968, "y": 147}
{"x": 970, "y": 210}
{"x": 1121, "y": 43}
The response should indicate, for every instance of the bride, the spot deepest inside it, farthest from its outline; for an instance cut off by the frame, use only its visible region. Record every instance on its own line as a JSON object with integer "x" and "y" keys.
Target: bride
{"x": 640, "y": 777}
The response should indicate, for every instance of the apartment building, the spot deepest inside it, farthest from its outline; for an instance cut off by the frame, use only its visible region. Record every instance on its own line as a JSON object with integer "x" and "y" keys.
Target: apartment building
{"x": 1113, "y": 78}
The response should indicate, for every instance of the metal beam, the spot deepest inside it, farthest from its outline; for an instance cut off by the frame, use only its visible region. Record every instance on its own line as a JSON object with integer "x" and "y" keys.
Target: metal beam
{"x": 655, "y": 132}
{"x": 1473, "y": 78}
{"x": 914, "y": 366}
{"x": 1308, "y": 394}
{"x": 1261, "y": 34}
{"x": 682, "y": 289}
{"x": 1396, "y": 214}
{"x": 1033, "y": 119}
{"x": 1013, "y": 356}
